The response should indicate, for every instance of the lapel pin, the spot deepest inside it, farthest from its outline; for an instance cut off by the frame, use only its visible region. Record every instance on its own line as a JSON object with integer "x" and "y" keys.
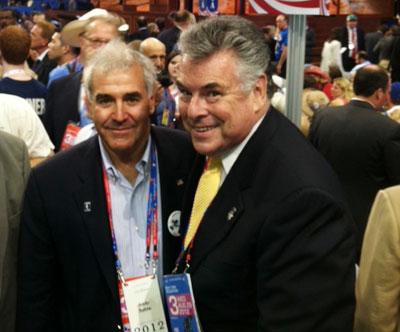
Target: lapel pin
{"x": 174, "y": 223}
{"x": 231, "y": 214}
{"x": 179, "y": 182}
{"x": 87, "y": 206}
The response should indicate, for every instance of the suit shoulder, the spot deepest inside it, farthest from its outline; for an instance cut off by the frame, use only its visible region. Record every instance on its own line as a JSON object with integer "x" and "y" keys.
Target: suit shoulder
{"x": 61, "y": 82}
{"x": 67, "y": 160}
{"x": 172, "y": 138}
{"x": 11, "y": 145}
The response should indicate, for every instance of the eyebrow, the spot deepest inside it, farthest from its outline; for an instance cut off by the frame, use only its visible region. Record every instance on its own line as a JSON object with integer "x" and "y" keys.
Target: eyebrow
{"x": 209, "y": 86}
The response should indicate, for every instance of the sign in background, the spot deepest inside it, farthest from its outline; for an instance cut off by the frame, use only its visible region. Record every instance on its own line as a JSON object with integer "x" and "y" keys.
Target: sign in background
{"x": 290, "y": 7}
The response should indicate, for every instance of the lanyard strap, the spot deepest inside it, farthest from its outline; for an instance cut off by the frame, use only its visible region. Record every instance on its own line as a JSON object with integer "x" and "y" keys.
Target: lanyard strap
{"x": 152, "y": 217}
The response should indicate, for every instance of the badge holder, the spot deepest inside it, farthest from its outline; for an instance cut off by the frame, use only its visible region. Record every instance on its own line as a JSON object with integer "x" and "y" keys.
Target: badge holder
{"x": 144, "y": 304}
{"x": 181, "y": 306}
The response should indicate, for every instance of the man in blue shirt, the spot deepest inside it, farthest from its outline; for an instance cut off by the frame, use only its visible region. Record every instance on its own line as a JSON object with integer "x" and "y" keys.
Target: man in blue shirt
{"x": 281, "y": 45}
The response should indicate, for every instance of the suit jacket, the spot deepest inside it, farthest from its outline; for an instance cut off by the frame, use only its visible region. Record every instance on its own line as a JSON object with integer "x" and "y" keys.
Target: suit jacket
{"x": 43, "y": 68}
{"x": 67, "y": 276}
{"x": 363, "y": 147}
{"x": 62, "y": 106}
{"x": 14, "y": 170}
{"x": 140, "y": 34}
{"x": 278, "y": 224}
{"x": 378, "y": 282}
{"x": 348, "y": 62}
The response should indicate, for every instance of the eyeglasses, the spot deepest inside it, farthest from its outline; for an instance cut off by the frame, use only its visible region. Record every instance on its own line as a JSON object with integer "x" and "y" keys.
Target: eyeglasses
{"x": 96, "y": 42}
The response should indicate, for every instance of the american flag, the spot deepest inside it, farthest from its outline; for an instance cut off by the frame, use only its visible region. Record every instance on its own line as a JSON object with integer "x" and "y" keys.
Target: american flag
{"x": 289, "y": 7}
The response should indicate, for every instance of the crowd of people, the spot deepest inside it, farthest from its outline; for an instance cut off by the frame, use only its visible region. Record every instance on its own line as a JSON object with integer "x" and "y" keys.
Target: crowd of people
{"x": 167, "y": 150}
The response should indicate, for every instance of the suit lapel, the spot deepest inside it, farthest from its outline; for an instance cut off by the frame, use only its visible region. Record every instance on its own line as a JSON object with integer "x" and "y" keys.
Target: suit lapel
{"x": 228, "y": 205}
{"x": 172, "y": 178}
{"x": 90, "y": 198}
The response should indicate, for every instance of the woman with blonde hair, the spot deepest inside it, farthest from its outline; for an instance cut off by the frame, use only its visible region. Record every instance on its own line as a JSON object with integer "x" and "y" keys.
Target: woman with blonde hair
{"x": 342, "y": 92}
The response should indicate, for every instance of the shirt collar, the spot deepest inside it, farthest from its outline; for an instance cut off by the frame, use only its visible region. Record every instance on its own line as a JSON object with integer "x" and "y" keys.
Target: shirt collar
{"x": 143, "y": 166}
{"x": 229, "y": 158}
{"x": 42, "y": 55}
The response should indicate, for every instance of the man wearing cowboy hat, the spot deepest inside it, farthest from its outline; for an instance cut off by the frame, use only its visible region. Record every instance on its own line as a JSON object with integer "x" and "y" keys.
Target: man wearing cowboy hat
{"x": 65, "y": 97}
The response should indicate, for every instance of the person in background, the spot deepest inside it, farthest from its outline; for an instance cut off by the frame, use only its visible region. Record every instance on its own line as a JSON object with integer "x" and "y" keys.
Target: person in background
{"x": 142, "y": 31}
{"x": 41, "y": 34}
{"x": 352, "y": 39}
{"x": 15, "y": 43}
{"x": 14, "y": 171}
{"x": 281, "y": 45}
{"x": 66, "y": 57}
{"x": 312, "y": 102}
{"x": 181, "y": 20}
{"x": 331, "y": 51}
{"x": 378, "y": 282}
{"x": 361, "y": 61}
{"x": 333, "y": 72}
{"x": 18, "y": 118}
{"x": 263, "y": 210}
{"x": 341, "y": 92}
{"x": 65, "y": 100}
{"x": 360, "y": 144}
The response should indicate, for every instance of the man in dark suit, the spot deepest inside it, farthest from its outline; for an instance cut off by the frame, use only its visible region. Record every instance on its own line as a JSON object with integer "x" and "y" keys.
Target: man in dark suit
{"x": 86, "y": 210}
{"x": 41, "y": 34}
{"x": 362, "y": 145}
{"x": 352, "y": 39}
{"x": 64, "y": 101}
{"x": 274, "y": 250}
{"x": 14, "y": 171}
{"x": 142, "y": 32}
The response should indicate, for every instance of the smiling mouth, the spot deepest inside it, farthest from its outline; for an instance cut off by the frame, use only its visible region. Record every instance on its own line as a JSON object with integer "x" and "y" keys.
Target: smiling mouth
{"x": 204, "y": 129}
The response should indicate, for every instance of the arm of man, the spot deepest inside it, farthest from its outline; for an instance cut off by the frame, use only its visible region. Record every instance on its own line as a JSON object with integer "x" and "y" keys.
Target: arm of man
{"x": 282, "y": 60}
{"x": 37, "y": 277}
{"x": 378, "y": 283}
{"x": 391, "y": 157}
{"x": 306, "y": 265}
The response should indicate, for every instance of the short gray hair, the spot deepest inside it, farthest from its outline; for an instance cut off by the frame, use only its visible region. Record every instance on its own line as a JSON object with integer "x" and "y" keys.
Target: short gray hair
{"x": 116, "y": 55}
{"x": 229, "y": 33}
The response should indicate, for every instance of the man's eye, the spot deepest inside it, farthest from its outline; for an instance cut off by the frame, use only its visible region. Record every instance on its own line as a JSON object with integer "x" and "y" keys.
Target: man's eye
{"x": 130, "y": 100}
{"x": 212, "y": 96}
{"x": 104, "y": 101}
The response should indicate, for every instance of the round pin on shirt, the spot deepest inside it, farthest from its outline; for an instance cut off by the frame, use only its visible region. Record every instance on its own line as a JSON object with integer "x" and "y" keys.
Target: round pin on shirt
{"x": 174, "y": 223}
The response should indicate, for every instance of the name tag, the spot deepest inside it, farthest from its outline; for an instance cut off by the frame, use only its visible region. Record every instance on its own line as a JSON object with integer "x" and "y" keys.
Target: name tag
{"x": 180, "y": 302}
{"x": 144, "y": 305}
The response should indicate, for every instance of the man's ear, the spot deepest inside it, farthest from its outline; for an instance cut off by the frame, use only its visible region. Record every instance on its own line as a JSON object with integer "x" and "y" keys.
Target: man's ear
{"x": 260, "y": 93}
{"x": 152, "y": 104}
{"x": 89, "y": 106}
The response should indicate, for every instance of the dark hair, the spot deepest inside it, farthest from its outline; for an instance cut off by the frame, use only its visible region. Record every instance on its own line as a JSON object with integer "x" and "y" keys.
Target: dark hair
{"x": 335, "y": 34}
{"x": 47, "y": 29}
{"x": 370, "y": 79}
{"x": 310, "y": 82}
{"x": 334, "y": 72}
{"x": 141, "y": 21}
{"x": 160, "y": 21}
{"x": 15, "y": 43}
{"x": 362, "y": 55}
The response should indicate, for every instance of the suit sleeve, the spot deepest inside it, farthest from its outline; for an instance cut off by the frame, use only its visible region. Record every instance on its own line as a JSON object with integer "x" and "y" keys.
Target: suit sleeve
{"x": 378, "y": 284}
{"x": 36, "y": 266}
{"x": 391, "y": 157}
{"x": 306, "y": 266}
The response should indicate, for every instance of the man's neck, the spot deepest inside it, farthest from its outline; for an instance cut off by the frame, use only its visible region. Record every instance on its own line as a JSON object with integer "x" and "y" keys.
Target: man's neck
{"x": 65, "y": 59}
{"x": 366, "y": 100}
{"x": 126, "y": 162}
{"x": 16, "y": 72}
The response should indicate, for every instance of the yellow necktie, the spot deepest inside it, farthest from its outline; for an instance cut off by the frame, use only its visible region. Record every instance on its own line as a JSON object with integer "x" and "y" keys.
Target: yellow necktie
{"x": 205, "y": 193}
